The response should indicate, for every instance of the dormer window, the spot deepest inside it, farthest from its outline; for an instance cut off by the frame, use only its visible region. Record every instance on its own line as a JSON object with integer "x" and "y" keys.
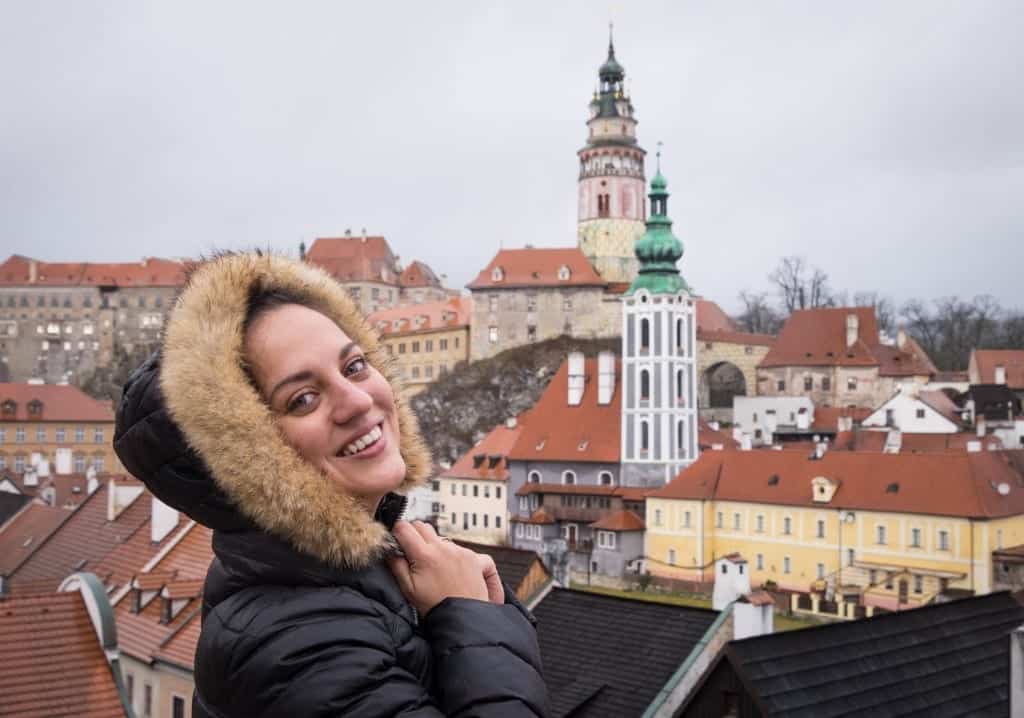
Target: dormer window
{"x": 563, "y": 273}
{"x": 823, "y": 489}
{"x": 492, "y": 461}
{"x": 35, "y": 407}
{"x": 10, "y": 407}
{"x": 478, "y": 461}
{"x": 497, "y": 274}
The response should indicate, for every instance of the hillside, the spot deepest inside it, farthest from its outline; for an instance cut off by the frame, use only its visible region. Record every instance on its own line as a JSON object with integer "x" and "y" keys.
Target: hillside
{"x": 458, "y": 409}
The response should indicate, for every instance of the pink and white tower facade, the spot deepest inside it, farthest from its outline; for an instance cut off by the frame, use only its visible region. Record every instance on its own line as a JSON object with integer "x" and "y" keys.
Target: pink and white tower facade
{"x": 612, "y": 207}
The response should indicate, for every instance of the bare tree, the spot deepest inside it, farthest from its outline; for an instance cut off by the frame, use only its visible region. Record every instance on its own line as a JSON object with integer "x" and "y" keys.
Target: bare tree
{"x": 956, "y": 327}
{"x": 758, "y": 316}
{"x": 800, "y": 286}
{"x": 885, "y": 311}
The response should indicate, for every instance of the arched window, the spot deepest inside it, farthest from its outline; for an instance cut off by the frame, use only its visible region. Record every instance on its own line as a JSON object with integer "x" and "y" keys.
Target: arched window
{"x": 645, "y": 385}
{"x": 605, "y": 478}
{"x": 645, "y": 436}
{"x": 568, "y": 477}
{"x": 679, "y": 384}
{"x": 534, "y": 477}
{"x": 679, "y": 333}
{"x": 679, "y": 435}
{"x": 645, "y": 333}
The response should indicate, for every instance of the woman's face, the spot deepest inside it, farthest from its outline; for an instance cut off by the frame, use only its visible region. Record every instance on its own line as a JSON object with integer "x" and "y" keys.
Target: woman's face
{"x": 334, "y": 408}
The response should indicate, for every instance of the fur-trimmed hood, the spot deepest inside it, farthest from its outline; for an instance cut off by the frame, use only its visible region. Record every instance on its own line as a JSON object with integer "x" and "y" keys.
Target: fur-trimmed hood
{"x": 225, "y": 421}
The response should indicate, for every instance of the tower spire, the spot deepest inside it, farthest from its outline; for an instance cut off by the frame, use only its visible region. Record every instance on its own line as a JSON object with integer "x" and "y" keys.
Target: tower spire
{"x": 659, "y": 249}
{"x": 611, "y": 44}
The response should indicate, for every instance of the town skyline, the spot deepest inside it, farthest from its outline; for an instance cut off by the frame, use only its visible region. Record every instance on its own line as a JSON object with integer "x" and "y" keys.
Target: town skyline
{"x": 880, "y": 144}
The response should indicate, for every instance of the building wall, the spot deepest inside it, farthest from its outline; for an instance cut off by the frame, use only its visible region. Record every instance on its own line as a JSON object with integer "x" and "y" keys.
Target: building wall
{"x": 970, "y": 542}
{"x": 629, "y": 546}
{"x": 371, "y": 296}
{"x": 905, "y": 417}
{"x": 94, "y": 447}
{"x": 609, "y": 245}
{"x": 849, "y": 386}
{"x": 422, "y": 357}
{"x": 744, "y": 357}
{"x": 174, "y": 682}
{"x": 752, "y": 414}
{"x": 480, "y": 509}
{"x": 550, "y": 311}
{"x": 63, "y": 333}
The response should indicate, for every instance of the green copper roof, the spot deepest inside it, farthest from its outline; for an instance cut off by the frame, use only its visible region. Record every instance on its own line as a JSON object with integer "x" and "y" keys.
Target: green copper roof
{"x": 659, "y": 250}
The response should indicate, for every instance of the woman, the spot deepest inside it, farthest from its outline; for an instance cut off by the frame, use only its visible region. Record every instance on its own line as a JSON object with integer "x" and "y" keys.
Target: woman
{"x": 271, "y": 416}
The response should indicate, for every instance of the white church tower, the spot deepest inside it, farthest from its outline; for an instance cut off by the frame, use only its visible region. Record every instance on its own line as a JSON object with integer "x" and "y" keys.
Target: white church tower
{"x": 659, "y": 357}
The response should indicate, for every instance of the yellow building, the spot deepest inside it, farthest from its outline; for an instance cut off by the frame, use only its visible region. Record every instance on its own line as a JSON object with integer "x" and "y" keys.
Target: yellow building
{"x": 888, "y": 530}
{"x": 60, "y": 424}
{"x": 427, "y": 340}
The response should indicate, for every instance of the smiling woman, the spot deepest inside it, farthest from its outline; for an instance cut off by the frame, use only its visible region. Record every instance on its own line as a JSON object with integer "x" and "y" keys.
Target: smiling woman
{"x": 271, "y": 416}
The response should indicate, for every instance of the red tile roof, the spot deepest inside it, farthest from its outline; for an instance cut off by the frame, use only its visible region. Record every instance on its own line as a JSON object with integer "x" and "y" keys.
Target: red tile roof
{"x": 179, "y": 647}
{"x": 555, "y": 431}
{"x": 961, "y": 484}
{"x": 540, "y": 516}
{"x": 763, "y": 340}
{"x": 826, "y": 418}
{"x": 1012, "y": 360}
{"x": 83, "y": 541}
{"x": 620, "y": 521}
{"x": 418, "y": 274}
{"x": 817, "y": 337}
{"x": 712, "y": 318}
{"x": 53, "y": 662}
{"x": 489, "y": 458}
{"x": 59, "y": 403}
{"x": 350, "y": 259}
{"x": 865, "y": 440}
{"x": 69, "y": 489}
{"x": 26, "y": 531}
{"x": 707, "y": 437}
{"x": 427, "y": 317}
{"x": 537, "y": 268}
{"x": 16, "y": 271}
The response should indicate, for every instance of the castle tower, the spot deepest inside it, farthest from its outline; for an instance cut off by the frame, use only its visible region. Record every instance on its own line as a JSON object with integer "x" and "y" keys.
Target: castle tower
{"x": 611, "y": 181}
{"x": 659, "y": 357}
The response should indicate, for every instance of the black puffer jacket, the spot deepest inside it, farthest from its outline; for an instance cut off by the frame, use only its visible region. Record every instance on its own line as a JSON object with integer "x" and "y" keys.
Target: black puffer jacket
{"x": 301, "y": 616}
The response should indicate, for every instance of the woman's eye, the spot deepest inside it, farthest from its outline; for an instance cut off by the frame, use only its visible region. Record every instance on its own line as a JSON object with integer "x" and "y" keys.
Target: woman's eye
{"x": 356, "y": 366}
{"x": 303, "y": 402}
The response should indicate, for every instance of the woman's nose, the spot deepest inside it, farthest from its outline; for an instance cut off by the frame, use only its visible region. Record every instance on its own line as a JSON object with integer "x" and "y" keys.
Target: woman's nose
{"x": 349, "y": 401}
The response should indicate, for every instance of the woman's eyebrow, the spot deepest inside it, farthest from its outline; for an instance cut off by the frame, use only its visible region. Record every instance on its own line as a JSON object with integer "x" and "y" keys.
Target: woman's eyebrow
{"x": 306, "y": 374}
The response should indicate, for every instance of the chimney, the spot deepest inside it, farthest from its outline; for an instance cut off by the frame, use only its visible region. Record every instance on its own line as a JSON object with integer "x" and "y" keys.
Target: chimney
{"x": 745, "y": 444}
{"x": 605, "y": 377}
{"x": 163, "y": 519}
{"x": 33, "y": 271}
{"x": 364, "y": 233}
{"x": 852, "y": 329}
{"x": 901, "y": 338}
{"x": 120, "y": 497}
{"x": 973, "y": 447}
{"x": 91, "y": 482}
{"x": 577, "y": 378}
{"x": 30, "y": 478}
{"x": 511, "y": 422}
{"x": 980, "y": 426}
{"x": 348, "y": 232}
{"x": 1000, "y": 374}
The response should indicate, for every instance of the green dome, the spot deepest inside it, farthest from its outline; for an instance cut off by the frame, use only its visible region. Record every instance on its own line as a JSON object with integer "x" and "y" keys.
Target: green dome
{"x": 658, "y": 184}
{"x": 659, "y": 249}
{"x": 611, "y": 69}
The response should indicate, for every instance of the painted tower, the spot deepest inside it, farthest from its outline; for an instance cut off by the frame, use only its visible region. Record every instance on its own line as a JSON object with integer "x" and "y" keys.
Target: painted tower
{"x": 659, "y": 357}
{"x": 611, "y": 181}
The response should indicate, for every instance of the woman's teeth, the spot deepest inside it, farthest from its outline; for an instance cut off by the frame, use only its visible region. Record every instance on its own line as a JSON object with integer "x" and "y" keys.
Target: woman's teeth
{"x": 367, "y": 439}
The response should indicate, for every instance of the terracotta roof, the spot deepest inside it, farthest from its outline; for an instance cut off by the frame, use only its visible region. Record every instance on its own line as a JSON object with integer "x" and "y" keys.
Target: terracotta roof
{"x": 16, "y": 271}
{"x": 865, "y": 440}
{"x": 127, "y": 558}
{"x": 1012, "y": 360}
{"x": 355, "y": 259}
{"x": 11, "y": 503}
{"x": 488, "y": 459}
{"x": 537, "y": 268}
{"x": 759, "y": 598}
{"x": 567, "y": 489}
{"x": 817, "y": 337}
{"x": 24, "y": 533}
{"x": 939, "y": 401}
{"x": 179, "y": 646}
{"x": 826, "y": 418}
{"x": 951, "y": 376}
{"x": 178, "y": 590}
{"x": 734, "y": 557}
{"x": 707, "y": 437}
{"x": 764, "y": 340}
{"x": 82, "y": 542}
{"x": 950, "y": 484}
{"x": 555, "y": 431}
{"x": 540, "y": 516}
{"x": 620, "y": 521}
{"x": 418, "y": 274}
{"x": 60, "y": 402}
{"x": 427, "y": 317}
{"x": 69, "y": 489}
{"x": 53, "y": 662}
{"x": 712, "y": 318}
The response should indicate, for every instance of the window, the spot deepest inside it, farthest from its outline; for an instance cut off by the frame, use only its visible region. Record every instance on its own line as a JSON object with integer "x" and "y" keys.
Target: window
{"x": 79, "y": 463}
{"x": 497, "y": 522}
{"x": 920, "y": 413}
{"x": 851, "y": 383}
{"x": 915, "y": 538}
{"x": 759, "y": 524}
{"x": 686, "y": 519}
{"x": 476, "y": 491}
{"x": 850, "y": 555}
{"x": 644, "y": 436}
{"x": 492, "y": 303}
{"x": 453, "y": 489}
{"x": 787, "y": 526}
{"x": 147, "y": 689}
{"x": 918, "y": 584}
{"x": 606, "y": 539}
{"x": 657, "y": 517}
{"x": 826, "y": 383}
{"x": 786, "y": 564}
{"x": 645, "y": 334}
{"x": 781, "y": 384}
{"x": 19, "y": 435}
{"x": 679, "y": 384}
{"x": 645, "y": 385}
{"x": 487, "y": 491}
{"x": 736, "y": 522}
{"x": 821, "y": 528}
{"x": 177, "y": 707}
{"x": 808, "y": 383}
{"x": 679, "y": 333}
{"x": 605, "y": 478}
{"x": 671, "y": 557}
{"x": 567, "y": 304}
{"x": 821, "y": 570}
{"x": 442, "y": 344}
{"x": 19, "y": 463}
{"x": 497, "y": 492}
{"x": 97, "y": 462}
{"x": 415, "y": 372}
{"x": 534, "y": 477}
{"x": 401, "y": 348}
{"x": 415, "y": 347}
{"x": 40, "y": 433}
{"x": 568, "y": 477}
{"x": 428, "y": 345}
{"x": 79, "y": 433}
{"x": 719, "y": 520}
{"x": 759, "y": 562}
{"x": 492, "y": 335}
{"x": 999, "y": 538}
{"x": 97, "y": 435}
{"x": 943, "y": 540}
{"x": 465, "y": 489}
{"x": 474, "y": 519}
{"x": 129, "y": 682}
{"x": 880, "y": 535}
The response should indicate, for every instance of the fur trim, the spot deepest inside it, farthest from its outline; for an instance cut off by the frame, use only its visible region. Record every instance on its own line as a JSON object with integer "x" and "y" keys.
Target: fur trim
{"x": 226, "y": 421}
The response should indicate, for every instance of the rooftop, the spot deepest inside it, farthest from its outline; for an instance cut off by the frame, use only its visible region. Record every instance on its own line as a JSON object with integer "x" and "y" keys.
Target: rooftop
{"x": 56, "y": 402}
{"x": 1012, "y": 361}
{"x": 488, "y": 459}
{"x": 531, "y": 267}
{"x": 430, "y": 316}
{"x": 20, "y": 271}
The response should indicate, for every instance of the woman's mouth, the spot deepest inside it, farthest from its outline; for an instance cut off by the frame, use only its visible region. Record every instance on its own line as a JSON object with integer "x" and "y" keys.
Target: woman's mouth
{"x": 365, "y": 445}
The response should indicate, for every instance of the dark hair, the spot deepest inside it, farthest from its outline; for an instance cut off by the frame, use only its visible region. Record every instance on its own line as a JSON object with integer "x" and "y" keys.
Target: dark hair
{"x": 262, "y": 301}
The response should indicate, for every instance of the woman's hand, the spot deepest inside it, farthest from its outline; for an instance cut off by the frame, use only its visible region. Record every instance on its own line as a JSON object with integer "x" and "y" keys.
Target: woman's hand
{"x": 434, "y": 569}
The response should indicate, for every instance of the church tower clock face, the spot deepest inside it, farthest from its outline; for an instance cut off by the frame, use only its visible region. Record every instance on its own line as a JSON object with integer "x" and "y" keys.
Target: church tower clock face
{"x": 611, "y": 210}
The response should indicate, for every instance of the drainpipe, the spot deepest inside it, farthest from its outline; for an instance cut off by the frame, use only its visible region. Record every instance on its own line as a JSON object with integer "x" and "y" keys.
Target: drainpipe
{"x": 970, "y": 525}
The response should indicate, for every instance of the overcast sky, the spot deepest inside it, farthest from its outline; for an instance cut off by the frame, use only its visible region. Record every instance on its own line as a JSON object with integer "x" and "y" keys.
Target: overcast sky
{"x": 883, "y": 141}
